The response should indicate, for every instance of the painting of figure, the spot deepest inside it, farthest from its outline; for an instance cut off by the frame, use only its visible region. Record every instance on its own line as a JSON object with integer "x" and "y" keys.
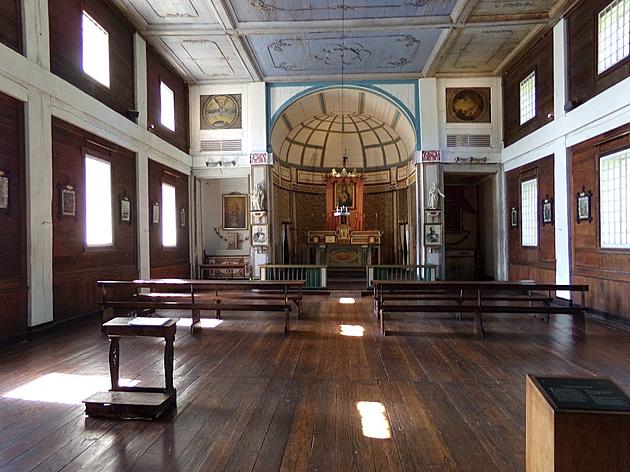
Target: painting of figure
{"x": 235, "y": 211}
{"x": 345, "y": 194}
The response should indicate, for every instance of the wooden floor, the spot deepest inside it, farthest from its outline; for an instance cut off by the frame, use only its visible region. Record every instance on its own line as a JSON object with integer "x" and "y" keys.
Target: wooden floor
{"x": 251, "y": 399}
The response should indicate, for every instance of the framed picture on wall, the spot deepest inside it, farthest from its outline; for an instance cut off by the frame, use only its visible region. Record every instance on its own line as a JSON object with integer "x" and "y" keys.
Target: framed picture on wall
{"x": 583, "y": 203}
{"x": 182, "y": 217}
{"x": 259, "y": 235}
{"x": 125, "y": 209}
{"x": 68, "y": 201}
{"x": 4, "y": 191}
{"x": 344, "y": 193}
{"x": 235, "y": 211}
{"x": 513, "y": 217}
{"x": 432, "y": 235}
{"x": 547, "y": 211}
{"x": 155, "y": 216}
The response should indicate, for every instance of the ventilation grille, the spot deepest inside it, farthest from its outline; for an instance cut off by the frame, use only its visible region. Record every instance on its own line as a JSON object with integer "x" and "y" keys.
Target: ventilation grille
{"x": 221, "y": 145}
{"x": 468, "y": 140}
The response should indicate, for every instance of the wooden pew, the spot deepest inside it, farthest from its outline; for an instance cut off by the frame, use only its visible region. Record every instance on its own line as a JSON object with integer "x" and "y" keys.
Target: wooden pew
{"x": 198, "y": 295}
{"x": 452, "y": 296}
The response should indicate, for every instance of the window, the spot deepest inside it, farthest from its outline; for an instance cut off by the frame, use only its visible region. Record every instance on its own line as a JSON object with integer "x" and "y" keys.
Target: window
{"x": 529, "y": 213}
{"x": 95, "y": 50}
{"x": 614, "y": 197}
{"x": 613, "y": 34}
{"x": 167, "y": 107}
{"x": 528, "y": 97}
{"x": 169, "y": 216}
{"x": 98, "y": 202}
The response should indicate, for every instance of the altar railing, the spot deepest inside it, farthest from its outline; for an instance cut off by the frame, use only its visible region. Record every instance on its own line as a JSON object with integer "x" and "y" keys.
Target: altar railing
{"x": 426, "y": 272}
{"x": 314, "y": 275}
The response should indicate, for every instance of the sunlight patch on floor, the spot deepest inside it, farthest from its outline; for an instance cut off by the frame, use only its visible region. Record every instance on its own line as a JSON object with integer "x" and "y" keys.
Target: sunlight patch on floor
{"x": 374, "y": 420}
{"x": 204, "y": 322}
{"x": 69, "y": 389}
{"x": 351, "y": 330}
{"x": 347, "y": 301}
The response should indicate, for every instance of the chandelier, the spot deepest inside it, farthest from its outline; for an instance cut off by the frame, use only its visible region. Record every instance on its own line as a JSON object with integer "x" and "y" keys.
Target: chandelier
{"x": 344, "y": 172}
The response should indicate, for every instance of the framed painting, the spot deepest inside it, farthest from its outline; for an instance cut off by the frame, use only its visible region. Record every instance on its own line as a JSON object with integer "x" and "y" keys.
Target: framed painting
{"x": 513, "y": 217}
{"x": 4, "y": 191}
{"x": 583, "y": 203}
{"x": 125, "y": 209}
{"x": 235, "y": 211}
{"x": 260, "y": 235}
{"x": 468, "y": 105}
{"x": 345, "y": 194}
{"x": 220, "y": 112}
{"x": 68, "y": 201}
{"x": 547, "y": 211}
{"x": 432, "y": 235}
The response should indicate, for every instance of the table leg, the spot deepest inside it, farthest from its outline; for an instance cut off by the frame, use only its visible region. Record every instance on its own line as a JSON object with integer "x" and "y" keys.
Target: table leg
{"x": 168, "y": 364}
{"x": 114, "y": 361}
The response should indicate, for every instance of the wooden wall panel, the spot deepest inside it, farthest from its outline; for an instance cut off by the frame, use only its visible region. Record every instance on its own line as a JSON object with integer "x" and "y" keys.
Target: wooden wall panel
{"x": 11, "y": 24}
{"x": 158, "y": 71}
{"x": 76, "y": 268}
{"x": 537, "y": 58}
{"x": 537, "y": 263}
{"x": 169, "y": 262}
{"x": 584, "y": 81}
{"x": 66, "y": 50}
{"x": 606, "y": 271}
{"x": 13, "y": 285}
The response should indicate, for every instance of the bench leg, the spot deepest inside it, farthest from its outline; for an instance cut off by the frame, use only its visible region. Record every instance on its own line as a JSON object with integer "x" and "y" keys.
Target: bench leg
{"x": 382, "y": 318}
{"x": 298, "y": 304}
{"x": 168, "y": 365}
{"x": 479, "y": 331}
{"x": 286, "y": 321}
{"x": 579, "y": 325}
{"x": 114, "y": 361}
{"x": 196, "y": 319}
{"x": 546, "y": 316}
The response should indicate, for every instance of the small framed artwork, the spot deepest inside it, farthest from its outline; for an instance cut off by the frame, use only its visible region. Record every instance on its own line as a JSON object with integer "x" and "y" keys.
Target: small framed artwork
{"x": 155, "y": 213}
{"x": 513, "y": 217}
{"x": 235, "y": 208}
{"x": 182, "y": 217}
{"x": 4, "y": 191}
{"x": 260, "y": 235}
{"x": 125, "y": 209}
{"x": 259, "y": 218}
{"x": 433, "y": 216}
{"x": 547, "y": 211}
{"x": 583, "y": 203}
{"x": 68, "y": 201}
{"x": 432, "y": 235}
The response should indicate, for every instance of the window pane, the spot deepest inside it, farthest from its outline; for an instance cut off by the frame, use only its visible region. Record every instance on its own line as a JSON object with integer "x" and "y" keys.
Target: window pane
{"x": 529, "y": 213}
{"x": 98, "y": 202}
{"x": 528, "y": 97}
{"x": 169, "y": 216}
{"x": 614, "y": 196}
{"x": 167, "y": 107}
{"x": 95, "y": 50}
{"x": 613, "y": 35}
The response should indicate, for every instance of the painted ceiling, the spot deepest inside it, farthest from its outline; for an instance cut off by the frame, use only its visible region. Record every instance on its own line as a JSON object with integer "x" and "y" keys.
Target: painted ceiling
{"x": 316, "y": 130}
{"x": 223, "y": 41}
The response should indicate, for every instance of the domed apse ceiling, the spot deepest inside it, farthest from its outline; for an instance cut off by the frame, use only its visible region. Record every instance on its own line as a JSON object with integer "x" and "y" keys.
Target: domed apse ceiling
{"x": 315, "y": 131}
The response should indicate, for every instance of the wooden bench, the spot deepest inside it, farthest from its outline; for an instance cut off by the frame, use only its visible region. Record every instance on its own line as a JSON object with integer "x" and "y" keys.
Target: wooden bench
{"x": 198, "y": 295}
{"x": 451, "y": 296}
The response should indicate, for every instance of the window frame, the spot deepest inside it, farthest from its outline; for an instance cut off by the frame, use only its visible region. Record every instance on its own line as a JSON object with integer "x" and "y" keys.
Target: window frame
{"x": 163, "y": 82}
{"x": 533, "y": 72}
{"x": 93, "y": 79}
{"x": 600, "y": 248}
{"x": 87, "y": 154}
{"x": 536, "y": 212}
{"x": 163, "y": 183}
{"x": 597, "y": 74}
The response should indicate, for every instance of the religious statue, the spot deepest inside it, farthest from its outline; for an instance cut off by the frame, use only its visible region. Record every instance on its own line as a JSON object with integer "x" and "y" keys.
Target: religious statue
{"x": 258, "y": 198}
{"x": 434, "y": 196}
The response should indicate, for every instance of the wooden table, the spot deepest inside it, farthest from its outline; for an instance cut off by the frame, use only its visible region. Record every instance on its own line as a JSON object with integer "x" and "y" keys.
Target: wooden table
{"x": 129, "y": 401}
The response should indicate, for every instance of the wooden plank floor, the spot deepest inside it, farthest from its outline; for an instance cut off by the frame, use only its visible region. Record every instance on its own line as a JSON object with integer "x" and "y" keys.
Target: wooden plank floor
{"x": 251, "y": 399}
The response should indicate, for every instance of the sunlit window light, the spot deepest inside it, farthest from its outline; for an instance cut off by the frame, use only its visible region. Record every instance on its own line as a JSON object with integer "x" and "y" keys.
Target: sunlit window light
{"x": 346, "y": 301}
{"x": 95, "y": 40}
{"x": 203, "y": 323}
{"x": 351, "y": 330}
{"x": 374, "y": 422}
{"x": 69, "y": 389}
{"x": 169, "y": 216}
{"x": 98, "y": 202}
{"x": 167, "y": 107}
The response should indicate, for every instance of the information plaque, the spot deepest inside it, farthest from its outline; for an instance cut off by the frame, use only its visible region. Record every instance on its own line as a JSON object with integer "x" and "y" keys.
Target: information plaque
{"x": 584, "y": 394}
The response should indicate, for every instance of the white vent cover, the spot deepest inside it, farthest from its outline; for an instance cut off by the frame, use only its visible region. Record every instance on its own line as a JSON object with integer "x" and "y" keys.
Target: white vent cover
{"x": 221, "y": 145}
{"x": 468, "y": 140}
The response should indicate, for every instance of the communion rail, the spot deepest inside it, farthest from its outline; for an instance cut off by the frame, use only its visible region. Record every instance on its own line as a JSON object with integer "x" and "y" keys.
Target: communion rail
{"x": 424, "y": 273}
{"x": 313, "y": 275}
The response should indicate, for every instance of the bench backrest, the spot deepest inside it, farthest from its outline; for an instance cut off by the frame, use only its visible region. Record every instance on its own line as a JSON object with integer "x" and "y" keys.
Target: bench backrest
{"x": 410, "y": 286}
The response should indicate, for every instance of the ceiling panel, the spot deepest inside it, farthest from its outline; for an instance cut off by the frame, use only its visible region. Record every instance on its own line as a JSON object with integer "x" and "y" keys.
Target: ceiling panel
{"x": 363, "y": 53}
{"x": 482, "y": 50}
{"x": 170, "y": 12}
{"x": 510, "y": 8}
{"x": 313, "y": 10}
{"x": 206, "y": 58}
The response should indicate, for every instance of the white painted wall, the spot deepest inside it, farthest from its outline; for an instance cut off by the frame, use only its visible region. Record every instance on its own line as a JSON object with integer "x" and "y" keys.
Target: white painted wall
{"x": 212, "y": 191}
